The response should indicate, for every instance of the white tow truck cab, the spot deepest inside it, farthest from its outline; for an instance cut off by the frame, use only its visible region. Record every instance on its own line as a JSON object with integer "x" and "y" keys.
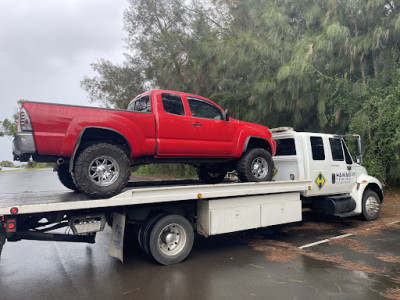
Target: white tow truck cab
{"x": 310, "y": 168}
{"x": 340, "y": 185}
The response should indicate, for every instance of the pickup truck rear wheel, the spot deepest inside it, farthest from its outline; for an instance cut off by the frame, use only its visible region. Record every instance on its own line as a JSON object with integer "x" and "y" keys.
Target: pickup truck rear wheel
{"x": 101, "y": 170}
{"x": 255, "y": 165}
{"x": 171, "y": 239}
{"x": 66, "y": 177}
{"x": 208, "y": 175}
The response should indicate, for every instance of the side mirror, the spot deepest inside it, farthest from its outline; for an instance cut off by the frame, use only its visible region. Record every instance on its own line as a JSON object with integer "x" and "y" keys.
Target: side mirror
{"x": 226, "y": 115}
{"x": 359, "y": 155}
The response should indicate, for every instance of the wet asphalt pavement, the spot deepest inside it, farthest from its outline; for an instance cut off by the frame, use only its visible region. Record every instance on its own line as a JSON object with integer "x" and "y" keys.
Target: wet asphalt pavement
{"x": 363, "y": 263}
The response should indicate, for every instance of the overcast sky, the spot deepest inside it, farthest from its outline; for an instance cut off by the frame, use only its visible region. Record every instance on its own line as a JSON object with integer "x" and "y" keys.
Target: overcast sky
{"x": 47, "y": 46}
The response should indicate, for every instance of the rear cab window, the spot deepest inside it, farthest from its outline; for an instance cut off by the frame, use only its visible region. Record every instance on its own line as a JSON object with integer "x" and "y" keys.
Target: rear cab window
{"x": 285, "y": 147}
{"x": 317, "y": 148}
{"x": 141, "y": 104}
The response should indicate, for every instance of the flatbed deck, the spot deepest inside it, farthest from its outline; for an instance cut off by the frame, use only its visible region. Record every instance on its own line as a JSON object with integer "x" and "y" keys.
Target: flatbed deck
{"x": 48, "y": 201}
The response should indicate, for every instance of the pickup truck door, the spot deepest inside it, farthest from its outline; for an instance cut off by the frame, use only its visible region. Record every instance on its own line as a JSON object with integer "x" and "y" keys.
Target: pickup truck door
{"x": 211, "y": 134}
{"x": 174, "y": 127}
{"x": 343, "y": 174}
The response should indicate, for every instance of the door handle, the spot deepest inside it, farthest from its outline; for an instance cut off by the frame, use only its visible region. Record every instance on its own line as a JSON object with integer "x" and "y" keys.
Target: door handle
{"x": 197, "y": 124}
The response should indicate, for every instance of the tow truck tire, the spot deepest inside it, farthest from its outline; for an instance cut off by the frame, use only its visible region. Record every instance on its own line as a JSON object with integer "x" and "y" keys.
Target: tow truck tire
{"x": 255, "y": 165}
{"x": 371, "y": 206}
{"x": 101, "y": 170}
{"x": 210, "y": 176}
{"x": 2, "y": 238}
{"x": 171, "y": 239}
{"x": 66, "y": 177}
{"x": 144, "y": 233}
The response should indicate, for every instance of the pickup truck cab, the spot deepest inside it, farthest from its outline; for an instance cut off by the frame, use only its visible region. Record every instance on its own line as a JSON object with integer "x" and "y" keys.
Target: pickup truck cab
{"x": 341, "y": 186}
{"x": 94, "y": 147}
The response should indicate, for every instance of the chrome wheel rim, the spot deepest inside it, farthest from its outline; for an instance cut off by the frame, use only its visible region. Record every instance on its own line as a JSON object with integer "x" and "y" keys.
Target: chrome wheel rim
{"x": 372, "y": 206}
{"x": 172, "y": 239}
{"x": 259, "y": 167}
{"x": 103, "y": 171}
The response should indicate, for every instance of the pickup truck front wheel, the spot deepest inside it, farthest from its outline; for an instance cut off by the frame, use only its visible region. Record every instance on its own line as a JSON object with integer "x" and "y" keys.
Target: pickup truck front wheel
{"x": 101, "y": 170}
{"x": 255, "y": 165}
{"x": 208, "y": 175}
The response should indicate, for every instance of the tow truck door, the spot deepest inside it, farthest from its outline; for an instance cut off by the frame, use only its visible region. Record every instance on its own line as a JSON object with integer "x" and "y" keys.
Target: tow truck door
{"x": 343, "y": 173}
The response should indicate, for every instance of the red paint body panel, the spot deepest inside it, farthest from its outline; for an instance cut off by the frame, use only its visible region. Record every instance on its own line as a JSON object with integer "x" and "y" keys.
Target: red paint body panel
{"x": 57, "y": 129}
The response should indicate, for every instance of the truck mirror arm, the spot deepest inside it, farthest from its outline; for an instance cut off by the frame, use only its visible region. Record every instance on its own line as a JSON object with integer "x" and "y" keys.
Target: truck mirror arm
{"x": 226, "y": 115}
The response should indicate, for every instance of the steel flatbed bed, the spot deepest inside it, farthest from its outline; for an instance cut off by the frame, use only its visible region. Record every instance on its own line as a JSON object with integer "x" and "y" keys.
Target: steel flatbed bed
{"x": 165, "y": 215}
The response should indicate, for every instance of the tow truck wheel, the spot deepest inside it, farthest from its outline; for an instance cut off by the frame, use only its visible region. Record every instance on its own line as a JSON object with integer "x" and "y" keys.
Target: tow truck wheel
{"x": 144, "y": 232}
{"x": 208, "y": 175}
{"x": 2, "y": 238}
{"x": 171, "y": 239}
{"x": 101, "y": 170}
{"x": 371, "y": 206}
{"x": 255, "y": 165}
{"x": 66, "y": 177}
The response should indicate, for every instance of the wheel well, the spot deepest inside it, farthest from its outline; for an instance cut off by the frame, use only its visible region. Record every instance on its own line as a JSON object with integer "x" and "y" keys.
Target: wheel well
{"x": 254, "y": 142}
{"x": 374, "y": 187}
{"x": 95, "y": 135}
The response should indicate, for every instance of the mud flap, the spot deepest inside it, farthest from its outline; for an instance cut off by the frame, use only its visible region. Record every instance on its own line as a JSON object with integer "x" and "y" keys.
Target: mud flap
{"x": 116, "y": 248}
{"x": 2, "y": 238}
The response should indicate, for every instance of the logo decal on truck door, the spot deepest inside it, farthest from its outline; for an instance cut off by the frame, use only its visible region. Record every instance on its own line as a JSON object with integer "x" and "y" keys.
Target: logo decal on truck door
{"x": 320, "y": 180}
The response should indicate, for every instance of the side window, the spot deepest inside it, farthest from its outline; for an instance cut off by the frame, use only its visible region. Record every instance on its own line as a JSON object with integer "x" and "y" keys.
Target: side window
{"x": 141, "y": 105}
{"x": 285, "y": 147}
{"x": 347, "y": 155}
{"x": 317, "y": 148}
{"x": 202, "y": 109}
{"x": 336, "y": 148}
{"x": 173, "y": 104}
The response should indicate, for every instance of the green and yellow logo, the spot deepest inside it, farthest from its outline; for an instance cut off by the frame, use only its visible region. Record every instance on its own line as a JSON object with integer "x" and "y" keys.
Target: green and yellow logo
{"x": 320, "y": 180}
{"x": 275, "y": 172}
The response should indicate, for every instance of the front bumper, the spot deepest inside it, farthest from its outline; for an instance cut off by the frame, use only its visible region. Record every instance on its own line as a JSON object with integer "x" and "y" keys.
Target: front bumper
{"x": 23, "y": 146}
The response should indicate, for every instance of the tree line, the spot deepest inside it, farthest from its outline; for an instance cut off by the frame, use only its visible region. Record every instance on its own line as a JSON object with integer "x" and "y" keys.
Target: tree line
{"x": 314, "y": 65}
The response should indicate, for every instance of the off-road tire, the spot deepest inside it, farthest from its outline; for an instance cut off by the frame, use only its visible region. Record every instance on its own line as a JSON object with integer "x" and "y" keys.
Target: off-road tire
{"x": 247, "y": 169}
{"x": 371, "y": 205}
{"x": 210, "y": 176}
{"x": 90, "y": 164}
{"x": 171, "y": 239}
{"x": 66, "y": 177}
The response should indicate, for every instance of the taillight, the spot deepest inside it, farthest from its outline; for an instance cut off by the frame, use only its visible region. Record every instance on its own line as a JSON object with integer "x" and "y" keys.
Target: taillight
{"x": 11, "y": 225}
{"x": 24, "y": 122}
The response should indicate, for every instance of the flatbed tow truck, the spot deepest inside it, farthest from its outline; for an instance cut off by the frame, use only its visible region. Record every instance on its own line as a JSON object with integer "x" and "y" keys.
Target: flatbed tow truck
{"x": 311, "y": 169}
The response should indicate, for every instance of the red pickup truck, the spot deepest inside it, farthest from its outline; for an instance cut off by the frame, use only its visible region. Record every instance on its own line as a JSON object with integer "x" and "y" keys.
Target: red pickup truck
{"x": 95, "y": 147}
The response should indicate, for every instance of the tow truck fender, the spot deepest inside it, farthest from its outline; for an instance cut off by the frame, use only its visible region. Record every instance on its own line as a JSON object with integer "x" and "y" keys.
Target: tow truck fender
{"x": 365, "y": 182}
